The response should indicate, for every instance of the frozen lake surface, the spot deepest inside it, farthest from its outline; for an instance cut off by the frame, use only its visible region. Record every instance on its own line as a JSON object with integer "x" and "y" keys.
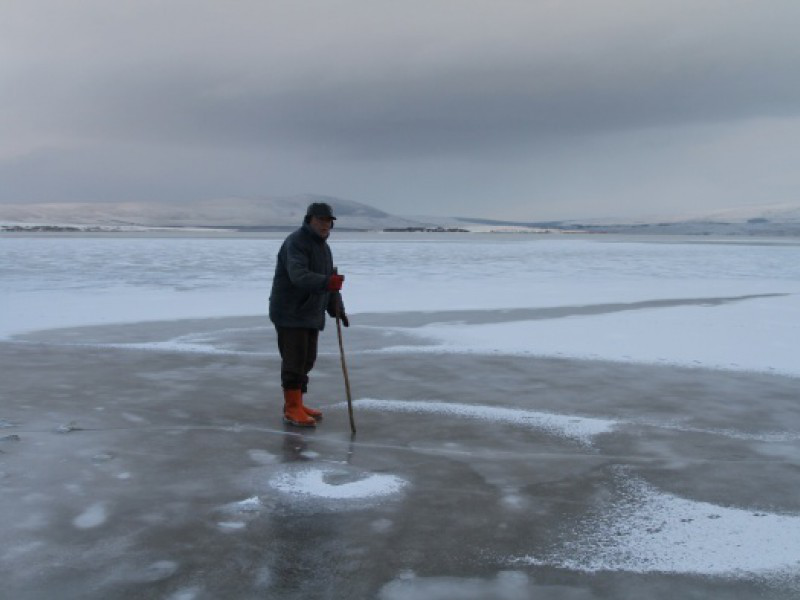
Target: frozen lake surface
{"x": 734, "y": 303}
{"x": 538, "y": 417}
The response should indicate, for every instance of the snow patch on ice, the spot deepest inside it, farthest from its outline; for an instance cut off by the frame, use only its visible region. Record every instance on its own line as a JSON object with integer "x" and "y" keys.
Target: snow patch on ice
{"x": 68, "y": 427}
{"x": 581, "y": 429}
{"x": 262, "y": 457}
{"x": 508, "y": 585}
{"x": 647, "y": 530}
{"x": 93, "y": 516}
{"x": 316, "y": 483}
{"x": 177, "y": 347}
{"x": 513, "y": 500}
{"x": 381, "y": 525}
{"x": 133, "y": 418}
{"x": 189, "y": 593}
{"x": 249, "y": 505}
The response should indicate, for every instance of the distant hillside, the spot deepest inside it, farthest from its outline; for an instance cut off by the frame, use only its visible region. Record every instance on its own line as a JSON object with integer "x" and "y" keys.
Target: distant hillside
{"x": 248, "y": 213}
{"x": 764, "y": 220}
{"x": 775, "y": 213}
{"x": 757, "y": 228}
{"x": 284, "y": 213}
{"x": 771, "y": 220}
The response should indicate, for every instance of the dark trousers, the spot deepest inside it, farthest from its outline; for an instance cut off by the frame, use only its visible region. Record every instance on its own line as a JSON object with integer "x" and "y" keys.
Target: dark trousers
{"x": 298, "y": 348}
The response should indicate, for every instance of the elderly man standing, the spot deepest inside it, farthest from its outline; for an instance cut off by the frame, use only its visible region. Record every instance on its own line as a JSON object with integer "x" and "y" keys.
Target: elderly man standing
{"x": 305, "y": 286}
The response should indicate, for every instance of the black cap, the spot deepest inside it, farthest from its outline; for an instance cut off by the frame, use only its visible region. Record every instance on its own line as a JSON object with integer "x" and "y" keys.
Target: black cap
{"x": 320, "y": 209}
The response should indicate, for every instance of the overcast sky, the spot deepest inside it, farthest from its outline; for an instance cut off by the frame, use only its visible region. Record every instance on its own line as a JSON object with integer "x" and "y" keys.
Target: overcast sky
{"x": 530, "y": 109}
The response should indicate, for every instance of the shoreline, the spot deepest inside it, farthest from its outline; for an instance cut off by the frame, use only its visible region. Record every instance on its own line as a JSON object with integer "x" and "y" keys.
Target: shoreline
{"x": 343, "y": 235}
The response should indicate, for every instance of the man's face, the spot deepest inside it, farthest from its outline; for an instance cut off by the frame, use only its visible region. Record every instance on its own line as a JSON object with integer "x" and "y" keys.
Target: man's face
{"x": 322, "y": 226}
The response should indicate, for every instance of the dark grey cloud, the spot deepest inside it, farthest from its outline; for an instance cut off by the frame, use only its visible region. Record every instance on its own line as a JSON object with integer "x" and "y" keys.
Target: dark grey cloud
{"x": 408, "y": 97}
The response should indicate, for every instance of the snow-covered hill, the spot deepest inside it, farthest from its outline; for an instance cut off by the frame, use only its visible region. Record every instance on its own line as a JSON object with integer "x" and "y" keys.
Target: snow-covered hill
{"x": 777, "y": 213}
{"x": 287, "y": 212}
{"x": 759, "y": 220}
{"x": 225, "y": 212}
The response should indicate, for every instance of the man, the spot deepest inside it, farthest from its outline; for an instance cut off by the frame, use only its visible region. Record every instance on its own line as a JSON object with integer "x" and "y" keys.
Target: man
{"x": 305, "y": 286}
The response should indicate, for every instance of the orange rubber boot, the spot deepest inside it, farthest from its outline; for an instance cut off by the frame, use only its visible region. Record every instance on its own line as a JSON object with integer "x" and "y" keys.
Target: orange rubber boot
{"x": 311, "y": 412}
{"x": 293, "y": 412}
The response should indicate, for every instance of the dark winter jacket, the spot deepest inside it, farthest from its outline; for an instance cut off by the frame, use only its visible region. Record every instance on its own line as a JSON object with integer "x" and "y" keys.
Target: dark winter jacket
{"x": 299, "y": 295}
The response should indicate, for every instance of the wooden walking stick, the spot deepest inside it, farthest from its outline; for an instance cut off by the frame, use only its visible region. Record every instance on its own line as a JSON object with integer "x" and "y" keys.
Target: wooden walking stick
{"x": 344, "y": 370}
{"x": 344, "y": 365}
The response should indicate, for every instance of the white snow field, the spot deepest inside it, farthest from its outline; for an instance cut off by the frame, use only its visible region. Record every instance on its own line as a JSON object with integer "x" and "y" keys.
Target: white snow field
{"x": 64, "y": 282}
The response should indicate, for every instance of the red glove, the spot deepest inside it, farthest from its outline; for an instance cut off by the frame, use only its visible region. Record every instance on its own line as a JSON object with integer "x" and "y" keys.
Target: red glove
{"x": 335, "y": 283}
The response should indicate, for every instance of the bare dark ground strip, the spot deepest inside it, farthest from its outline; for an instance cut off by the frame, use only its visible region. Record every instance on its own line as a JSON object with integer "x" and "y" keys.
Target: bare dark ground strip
{"x": 482, "y": 317}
